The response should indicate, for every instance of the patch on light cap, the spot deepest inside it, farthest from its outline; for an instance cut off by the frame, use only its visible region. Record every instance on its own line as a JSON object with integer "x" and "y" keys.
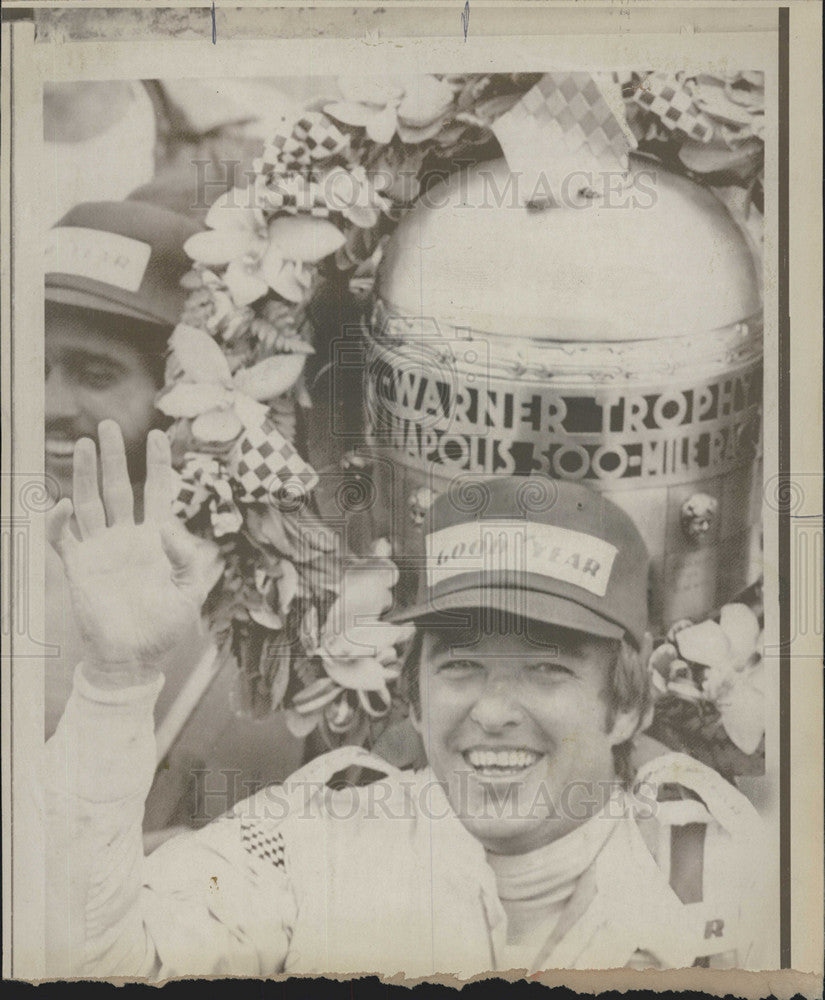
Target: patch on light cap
{"x": 525, "y": 547}
{"x": 91, "y": 253}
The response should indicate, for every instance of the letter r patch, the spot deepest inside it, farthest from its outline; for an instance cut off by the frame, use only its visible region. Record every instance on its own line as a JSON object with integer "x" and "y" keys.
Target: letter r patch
{"x": 714, "y": 928}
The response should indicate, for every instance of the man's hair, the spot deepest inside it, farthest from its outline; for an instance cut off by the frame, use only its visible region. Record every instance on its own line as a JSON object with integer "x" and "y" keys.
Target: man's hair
{"x": 150, "y": 340}
{"x": 627, "y": 684}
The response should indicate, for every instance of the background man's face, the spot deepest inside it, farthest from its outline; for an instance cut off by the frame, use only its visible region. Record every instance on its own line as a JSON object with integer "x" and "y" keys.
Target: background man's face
{"x": 517, "y": 731}
{"x": 91, "y": 376}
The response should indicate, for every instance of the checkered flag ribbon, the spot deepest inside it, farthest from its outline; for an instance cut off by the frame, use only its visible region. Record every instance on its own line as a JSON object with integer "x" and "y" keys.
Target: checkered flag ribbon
{"x": 263, "y": 462}
{"x": 190, "y": 496}
{"x": 194, "y": 485}
{"x": 313, "y": 137}
{"x": 293, "y": 193}
{"x": 665, "y": 96}
{"x": 566, "y": 122}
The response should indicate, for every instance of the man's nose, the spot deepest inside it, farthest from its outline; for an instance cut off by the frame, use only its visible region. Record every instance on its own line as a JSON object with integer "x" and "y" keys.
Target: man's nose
{"x": 497, "y": 707}
{"x": 60, "y": 397}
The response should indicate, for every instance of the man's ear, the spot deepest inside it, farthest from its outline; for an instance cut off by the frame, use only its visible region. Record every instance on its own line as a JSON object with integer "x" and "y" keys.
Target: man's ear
{"x": 625, "y": 725}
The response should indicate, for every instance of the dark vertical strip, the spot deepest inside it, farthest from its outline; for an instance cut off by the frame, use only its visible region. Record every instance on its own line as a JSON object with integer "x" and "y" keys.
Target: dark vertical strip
{"x": 783, "y": 84}
{"x": 8, "y": 441}
{"x": 687, "y": 861}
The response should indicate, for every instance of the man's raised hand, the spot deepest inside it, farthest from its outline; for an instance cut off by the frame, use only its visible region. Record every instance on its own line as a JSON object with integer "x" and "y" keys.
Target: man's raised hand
{"x": 133, "y": 586}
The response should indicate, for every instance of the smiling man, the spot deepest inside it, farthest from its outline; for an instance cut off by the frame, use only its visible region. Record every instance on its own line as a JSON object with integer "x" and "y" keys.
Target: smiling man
{"x": 527, "y": 841}
{"x": 113, "y": 295}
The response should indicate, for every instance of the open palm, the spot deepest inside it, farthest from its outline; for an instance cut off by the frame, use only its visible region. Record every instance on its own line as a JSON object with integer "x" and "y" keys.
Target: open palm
{"x": 133, "y": 586}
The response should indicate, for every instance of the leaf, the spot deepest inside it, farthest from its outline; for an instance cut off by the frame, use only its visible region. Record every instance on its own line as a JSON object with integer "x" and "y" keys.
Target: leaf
{"x": 267, "y": 617}
{"x": 317, "y": 694}
{"x": 244, "y": 285}
{"x": 415, "y": 135}
{"x": 358, "y": 673}
{"x": 301, "y": 725}
{"x": 350, "y": 113}
{"x": 381, "y": 127}
{"x": 378, "y": 90}
{"x": 189, "y": 399}
{"x": 705, "y": 643}
{"x": 340, "y": 716}
{"x": 271, "y": 377}
{"x": 276, "y": 660}
{"x": 199, "y": 356}
{"x": 661, "y": 659}
{"x": 743, "y": 715}
{"x": 741, "y": 628}
{"x": 286, "y": 279}
{"x": 426, "y": 99}
{"x": 218, "y": 246}
{"x": 219, "y": 426}
{"x": 304, "y": 238}
{"x": 265, "y": 526}
{"x": 233, "y": 211}
{"x": 368, "y": 701}
{"x": 287, "y": 585}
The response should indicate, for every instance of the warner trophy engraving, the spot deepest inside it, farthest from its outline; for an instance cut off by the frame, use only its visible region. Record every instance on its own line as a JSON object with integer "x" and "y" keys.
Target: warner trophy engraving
{"x": 450, "y": 456}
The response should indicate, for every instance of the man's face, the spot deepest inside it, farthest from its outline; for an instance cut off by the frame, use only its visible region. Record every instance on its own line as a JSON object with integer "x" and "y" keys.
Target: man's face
{"x": 90, "y": 376}
{"x": 516, "y": 728}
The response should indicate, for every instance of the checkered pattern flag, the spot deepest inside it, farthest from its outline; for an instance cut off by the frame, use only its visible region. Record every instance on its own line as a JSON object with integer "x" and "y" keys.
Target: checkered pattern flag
{"x": 312, "y": 138}
{"x": 319, "y": 134}
{"x": 263, "y": 462}
{"x": 294, "y": 193}
{"x": 190, "y": 496}
{"x": 568, "y": 122}
{"x": 666, "y": 97}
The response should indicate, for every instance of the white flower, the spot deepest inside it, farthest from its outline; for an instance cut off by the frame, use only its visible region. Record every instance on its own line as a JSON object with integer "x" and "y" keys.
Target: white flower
{"x": 734, "y": 681}
{"x": 412, "y": 106}
{"x": 261, "y": 256}
{"x": 220, "y": 404}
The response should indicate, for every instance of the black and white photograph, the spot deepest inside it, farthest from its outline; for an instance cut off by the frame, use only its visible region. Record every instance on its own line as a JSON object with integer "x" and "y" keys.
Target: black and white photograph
{"x": 410, "y": 599}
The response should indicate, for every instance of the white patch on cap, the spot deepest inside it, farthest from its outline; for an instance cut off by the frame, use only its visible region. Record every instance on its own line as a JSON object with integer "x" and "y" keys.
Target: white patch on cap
{"x": 89, "y": 253}
{"x": 526, "y": 547}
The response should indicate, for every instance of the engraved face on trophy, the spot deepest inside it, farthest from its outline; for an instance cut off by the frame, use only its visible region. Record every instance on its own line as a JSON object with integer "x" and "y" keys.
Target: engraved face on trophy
{"x": 697, "y": 516}
{"x": 419, "y": 503}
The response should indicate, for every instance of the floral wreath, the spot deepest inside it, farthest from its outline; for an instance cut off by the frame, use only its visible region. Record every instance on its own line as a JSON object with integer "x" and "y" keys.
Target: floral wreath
{"x": 325, "y": 194}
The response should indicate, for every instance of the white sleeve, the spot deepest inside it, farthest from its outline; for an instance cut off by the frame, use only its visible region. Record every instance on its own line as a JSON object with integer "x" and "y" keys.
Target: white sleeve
{"x": 201, "y": 904}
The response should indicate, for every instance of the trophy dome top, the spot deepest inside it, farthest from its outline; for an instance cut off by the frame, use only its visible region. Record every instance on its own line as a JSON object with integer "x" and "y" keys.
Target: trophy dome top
{"x": 662, "y": 258}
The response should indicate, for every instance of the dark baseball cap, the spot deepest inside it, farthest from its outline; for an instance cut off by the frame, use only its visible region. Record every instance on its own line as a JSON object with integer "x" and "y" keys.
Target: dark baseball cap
{"x": 539, "y": 548}
{"x": 120, "y": 257}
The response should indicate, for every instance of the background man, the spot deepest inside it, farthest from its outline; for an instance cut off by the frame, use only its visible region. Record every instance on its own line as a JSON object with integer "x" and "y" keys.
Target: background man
{"x": 522, "y": 843}
{"x": 113, "y": 297}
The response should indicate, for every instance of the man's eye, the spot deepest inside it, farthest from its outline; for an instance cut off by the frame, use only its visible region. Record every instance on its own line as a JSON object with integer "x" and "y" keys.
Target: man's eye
{"x": 459, "y": 668}
{"x": 549, "y": 670}
{"x": 98, "y": 376}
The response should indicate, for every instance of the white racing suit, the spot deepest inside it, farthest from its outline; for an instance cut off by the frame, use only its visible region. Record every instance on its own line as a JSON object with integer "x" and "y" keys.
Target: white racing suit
{"x": 382, "y": 878}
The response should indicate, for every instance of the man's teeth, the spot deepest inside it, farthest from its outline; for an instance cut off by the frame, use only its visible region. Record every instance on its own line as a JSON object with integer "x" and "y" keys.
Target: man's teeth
{"x": 505, "y": 759}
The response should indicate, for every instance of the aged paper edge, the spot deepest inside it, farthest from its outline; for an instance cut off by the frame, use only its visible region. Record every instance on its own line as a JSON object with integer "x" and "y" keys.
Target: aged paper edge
{"x": 805, "y": 457}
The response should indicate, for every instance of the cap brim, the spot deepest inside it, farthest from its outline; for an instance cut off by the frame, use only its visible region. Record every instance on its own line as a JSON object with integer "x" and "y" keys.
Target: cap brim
{"x": 442, "y": 612}
{"x": 89, "y": 299}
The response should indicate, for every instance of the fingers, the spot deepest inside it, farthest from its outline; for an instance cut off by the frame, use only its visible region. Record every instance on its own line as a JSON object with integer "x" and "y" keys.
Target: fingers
{"x": 58, "y": 531}
{"x": 88, "y": 507}
{"x": 117, "y": 489}
{"x": 157, "y": 495}
{"x": 181, "y": 552}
